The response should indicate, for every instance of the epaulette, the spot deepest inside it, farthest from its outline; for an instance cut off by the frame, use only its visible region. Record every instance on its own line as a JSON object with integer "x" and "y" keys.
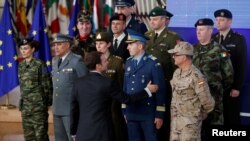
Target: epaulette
{"x": 118, "y": 57}
{"x": 149, "y": 33}
{"x": 237, "y": 33}
{"x": 152, "y": 57}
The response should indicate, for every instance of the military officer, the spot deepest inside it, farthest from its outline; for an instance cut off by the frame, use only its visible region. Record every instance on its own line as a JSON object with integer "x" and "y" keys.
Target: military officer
{"x": 191, "y": 100}
{"x": 66, "y": 68}
{"x": 161, "y": 40}
{"x": 132, "y": 22}
{"x": 36, "y": 92}
{"x": 214, "y": 62}
{"x": 85, "y": 40}
{"x": 145, "y": 116}
{"x": 235, "y": 43}
{"x": 114, "y": 72}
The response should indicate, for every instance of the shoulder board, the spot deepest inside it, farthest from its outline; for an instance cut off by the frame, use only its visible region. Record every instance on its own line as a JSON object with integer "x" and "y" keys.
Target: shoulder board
{"x": 152, "y": 57}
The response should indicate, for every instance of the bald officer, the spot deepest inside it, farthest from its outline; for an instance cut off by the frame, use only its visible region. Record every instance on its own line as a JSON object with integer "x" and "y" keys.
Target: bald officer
{"x": 66, "y": 67}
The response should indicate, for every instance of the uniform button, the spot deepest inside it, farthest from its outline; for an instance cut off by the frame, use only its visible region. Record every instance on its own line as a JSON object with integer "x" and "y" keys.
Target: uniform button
{"x": 56, "y": 87}
{"x": 56, "y": 94}
{"x": 152, "y": 49}
{"x": 133, "y": 82}
{"x": 133, "y": 75}
{"x": 58, "y": 72}
{"x": 148, "y": 103}
{"x": 57, "y": 79}
{"x": 132, "y": 89}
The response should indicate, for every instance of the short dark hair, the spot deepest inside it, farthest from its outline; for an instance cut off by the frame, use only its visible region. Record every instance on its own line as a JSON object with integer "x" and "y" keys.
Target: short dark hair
{"x": 92, "y": 59}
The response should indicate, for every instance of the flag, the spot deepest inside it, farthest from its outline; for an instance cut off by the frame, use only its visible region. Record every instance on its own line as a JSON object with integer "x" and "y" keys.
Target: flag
{"x": 40, "y": 33}
{"x": 21, "y": 18}
{"x": 96, "y": 15}
{"x": 72, "y": 30}
{"x": 108, "y": 12}
{"x": 29, "y": 11}
{"x": 8, "y": 56}
{"x": 53, "y": 20}
{"x": 63, "y": 15}
{"x": 87, "y": 5}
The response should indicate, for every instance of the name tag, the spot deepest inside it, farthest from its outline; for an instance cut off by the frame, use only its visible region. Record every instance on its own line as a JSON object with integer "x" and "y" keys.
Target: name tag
{"x": 230, "y": 45}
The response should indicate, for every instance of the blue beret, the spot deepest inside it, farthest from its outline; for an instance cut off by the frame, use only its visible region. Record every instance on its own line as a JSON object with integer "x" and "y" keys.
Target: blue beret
{"x": 128, "y": 3}
{"x": 62, "y": 38}
{"x": 223, "y": 13}
{"x": 134, "y": 36}
{"x": 120, "y": 17}
{"x": 205, "y": 21}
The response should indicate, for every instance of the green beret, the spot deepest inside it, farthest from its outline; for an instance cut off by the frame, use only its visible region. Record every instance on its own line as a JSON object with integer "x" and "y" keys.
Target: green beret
{"x": 205, "y": 21}
{"x": 158, "y": 11}
{"x": 103, "y": 36}
{"x": 223, "y": 13}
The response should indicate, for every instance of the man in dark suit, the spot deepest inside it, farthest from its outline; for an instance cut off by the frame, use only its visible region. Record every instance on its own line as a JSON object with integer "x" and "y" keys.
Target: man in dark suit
{"x": 119, "y": 46}
{"x": 132, "y": 22}
{"x": 66, "y": 67}
{"x": 91, "y": 118}
{"x": 235, "y": 43}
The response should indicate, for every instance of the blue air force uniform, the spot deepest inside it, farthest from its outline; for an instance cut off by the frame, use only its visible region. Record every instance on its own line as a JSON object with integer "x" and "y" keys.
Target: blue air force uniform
{"x": 141, "y": 115}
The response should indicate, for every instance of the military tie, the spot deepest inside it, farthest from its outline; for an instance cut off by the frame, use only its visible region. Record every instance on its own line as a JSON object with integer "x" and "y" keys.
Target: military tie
{"x": 116, "y": 44}
{"x": 221, "y": 39}
{"x": 155, "y": 37}
{"x": 59, "y": 62}
{"x": 135, "y": 63}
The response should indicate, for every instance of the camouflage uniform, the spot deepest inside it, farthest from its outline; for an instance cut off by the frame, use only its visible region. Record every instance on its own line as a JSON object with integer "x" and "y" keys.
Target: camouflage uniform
{"x": 36, "y": 96}
{"x": 191, "y": 101}
{"x": 214, "y": 62}
{"x": 115, "y": 72}
{"x": 82, "y": 46}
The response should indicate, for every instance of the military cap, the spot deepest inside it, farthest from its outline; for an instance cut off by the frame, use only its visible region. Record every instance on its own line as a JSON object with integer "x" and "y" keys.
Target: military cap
{"x": 128, "y": 3}
{"x": 117, "y": 16}
{"x": 158, "y": 11}
{"x": 182, "y": 48}
{"x": 205, "y": 21}
{"x": 103, "y": 36}
{"x": 134, "y": 36}
{"x": 62, "y": 38}
{"x": 223, "y": 13}
{"x": 29, "y": 41}
{"x": 84, "y": 16}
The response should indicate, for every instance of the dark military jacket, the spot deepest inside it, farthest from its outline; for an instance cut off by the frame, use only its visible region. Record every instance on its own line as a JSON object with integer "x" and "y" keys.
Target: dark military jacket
{"x": 81, "y": 47}
{"x": 115, "y": 69}
{"x": 122, "y": 50}
{"x": 35, "y": 85}
{"x": 137, "y": 25}
{"x": 159, "y": 48}
{"x": 214, "y": 62}
{"x": 235, "y": 43}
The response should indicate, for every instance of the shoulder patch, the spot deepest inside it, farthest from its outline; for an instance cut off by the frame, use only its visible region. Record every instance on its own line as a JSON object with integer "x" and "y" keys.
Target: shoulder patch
{"x": 149, "y": 33}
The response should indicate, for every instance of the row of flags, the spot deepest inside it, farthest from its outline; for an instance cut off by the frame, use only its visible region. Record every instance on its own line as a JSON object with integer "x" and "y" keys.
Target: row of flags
{"x": 39, "y": 28}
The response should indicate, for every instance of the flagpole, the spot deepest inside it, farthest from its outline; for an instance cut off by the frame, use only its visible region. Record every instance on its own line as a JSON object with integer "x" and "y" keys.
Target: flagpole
{"x": 7, "y": 104}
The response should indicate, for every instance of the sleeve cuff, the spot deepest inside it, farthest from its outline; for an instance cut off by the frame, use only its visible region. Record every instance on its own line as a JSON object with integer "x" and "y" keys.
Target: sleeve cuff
{"x": 148, "y": 92}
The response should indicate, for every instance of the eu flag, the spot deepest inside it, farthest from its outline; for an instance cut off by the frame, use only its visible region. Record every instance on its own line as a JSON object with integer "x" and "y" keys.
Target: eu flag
{"x": 8, "y": 56}
{"x": 73, "y": 19}
{"x": 40, "y": 32}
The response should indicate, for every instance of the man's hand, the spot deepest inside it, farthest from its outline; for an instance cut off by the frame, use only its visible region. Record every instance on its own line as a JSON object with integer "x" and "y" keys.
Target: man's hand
{"x": 152, "y": 87}
{"x": 158, "y": 123}
{"x": 234, "y": 93}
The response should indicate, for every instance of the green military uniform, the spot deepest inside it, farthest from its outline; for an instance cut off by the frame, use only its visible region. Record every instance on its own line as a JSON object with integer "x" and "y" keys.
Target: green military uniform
{"x": 159, "y": 48}
{"x": 36, "y": 96}
{"x": 214, "y": 62}
{"x": 85, "y": 44}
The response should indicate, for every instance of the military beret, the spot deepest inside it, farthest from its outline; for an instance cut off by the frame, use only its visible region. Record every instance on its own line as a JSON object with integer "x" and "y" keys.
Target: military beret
{"x": 134, "y": 36}
{"x": 84, "y": 16}
{"x": 182, "y": 48}
{"x": 158, "y": 11}
{"x": 223, "y": 13}
{"x": 29, "y": 41}
{"x": 103, "y": 36}
{"x": 124, "y": 3}
{"x": 117, "y": 16}
{"x": 62, "y": 38}
{"x": 205, "y": 21}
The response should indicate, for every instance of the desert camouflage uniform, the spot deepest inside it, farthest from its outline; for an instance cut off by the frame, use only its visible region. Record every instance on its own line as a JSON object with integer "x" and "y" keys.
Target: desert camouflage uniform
{"x": 190, "y": 103}
{"x": 214, "y": 62}
{"x": 36, "y": 96}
